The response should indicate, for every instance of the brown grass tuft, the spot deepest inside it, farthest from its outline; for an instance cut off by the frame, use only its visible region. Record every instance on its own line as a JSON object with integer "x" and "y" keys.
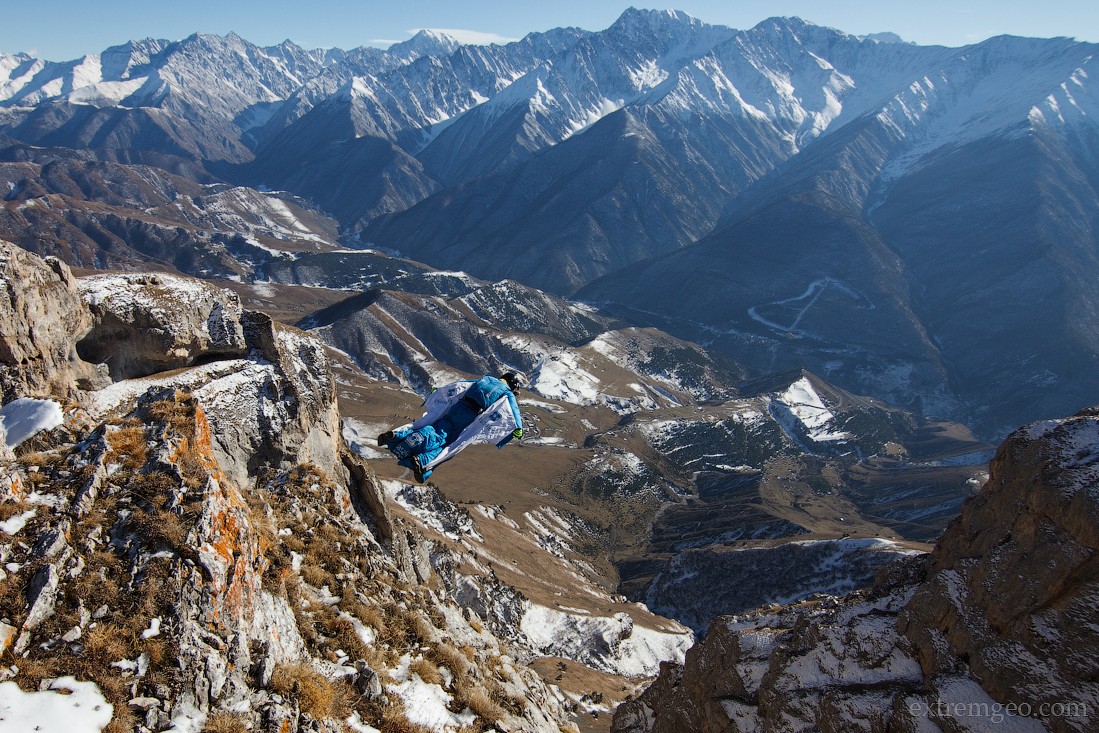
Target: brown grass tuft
{"x": 317, "y": 576}
{"x": 124, "y": 720}
{"x": 421, "y": 628}
{"x": 127, "y": 445}
{"x": 395, "y": 719}
{"x": 427, "y": 670}
{"x": 468, "y": 695}
{"x": 107, "y": 643}
{"x": 315, "y": 694}
{"x": 445, "y": 655}
{"x": 223, "y": 721}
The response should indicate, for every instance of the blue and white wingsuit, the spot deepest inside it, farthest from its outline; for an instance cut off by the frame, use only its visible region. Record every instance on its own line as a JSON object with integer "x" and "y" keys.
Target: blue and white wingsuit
{"x": 458, "y": 415}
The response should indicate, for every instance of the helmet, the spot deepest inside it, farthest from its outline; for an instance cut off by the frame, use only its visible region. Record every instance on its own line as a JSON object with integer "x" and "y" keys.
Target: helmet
{"x": 514, "y": 380}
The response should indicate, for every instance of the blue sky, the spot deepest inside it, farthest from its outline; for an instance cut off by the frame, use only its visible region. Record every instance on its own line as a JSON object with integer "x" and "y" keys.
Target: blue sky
{"x": 60, "y": 30}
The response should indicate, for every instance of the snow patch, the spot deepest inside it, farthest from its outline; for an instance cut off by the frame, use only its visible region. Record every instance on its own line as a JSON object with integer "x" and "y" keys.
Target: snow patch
{"x": 363, "y": 438}
{"x": 806, "y": 406}
{"x": 12, "y": 525}
{"x": 24, "y": 417}
{"x": 613, "y": 644}
{"x": 561, "y": 377}
{"x": 426, "y": 704}
{"x": 65, "y": 705}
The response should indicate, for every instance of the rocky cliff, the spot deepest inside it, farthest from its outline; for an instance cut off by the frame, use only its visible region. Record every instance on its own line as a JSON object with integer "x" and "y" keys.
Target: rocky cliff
{"x": 994, "y": 630}
{"x": 42, "y": 297}
{"x": 192, "y": 547}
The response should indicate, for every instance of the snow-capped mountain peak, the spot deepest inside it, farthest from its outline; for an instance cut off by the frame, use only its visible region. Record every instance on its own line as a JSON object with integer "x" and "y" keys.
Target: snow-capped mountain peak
{"x": 426, "y": 42}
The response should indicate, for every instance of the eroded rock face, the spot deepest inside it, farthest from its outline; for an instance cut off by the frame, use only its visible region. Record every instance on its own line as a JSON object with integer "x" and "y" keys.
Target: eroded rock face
{"x": 194, "y": 603}
{"x": 146, "y": 324}
{"x": 43, "y": 317}
{"x": 996, "y": 628}
{"x": 266, "y": 388}
{"x": 1013, "y": 591}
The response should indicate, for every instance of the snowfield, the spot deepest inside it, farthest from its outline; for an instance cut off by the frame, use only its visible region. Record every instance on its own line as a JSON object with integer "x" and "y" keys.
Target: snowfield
{"x": 24, "y": 417}
{"x": 802, "y": 403}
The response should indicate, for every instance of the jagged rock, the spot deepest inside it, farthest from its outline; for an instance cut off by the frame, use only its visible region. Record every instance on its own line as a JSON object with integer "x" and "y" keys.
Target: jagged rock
{"x": 7, "y": 635}
{"x": 152, "y": 323}
{"x": 996, "y": 627}
{"x": 87, "y": 494}
{"x": 42, "y": 594}
{"x": 51, "y": 542}
{"x": 366, "y": 681}
{"x": 242, "y": 454}
{"x": 1013, "y": 587}
{"x": 43, "y": 318}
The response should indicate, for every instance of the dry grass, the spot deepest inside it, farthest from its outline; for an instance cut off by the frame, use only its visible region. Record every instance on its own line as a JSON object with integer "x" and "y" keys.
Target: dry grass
{"x": 445, "y": 655}
{"x": 13, "y": 600}
{"x": 95, "y": 589}
{"x": 422, "y": 629}
{"x": 316, "y": 695}
{"x": 178, "y": 415}
{"x": 177, "y": 412}
{"x": 127, "y": 446}
{"x": 477, "y": 699}
{"x": 107, "y": 643}
{"x": 372, "y": 616}
{"x": 427, "y": 670}
{"x": 394, "y": 630}
{"x": 124, "y": 720}
{"x": 317, "y": 576}
{"x": 395, "y": 719}
{"x": 34, "y": 669}
{"x": 160, "y": 530}
{"x": 222, "y": 721}
{"x": 342, "y": 631}
{"x": 9, "y": 509}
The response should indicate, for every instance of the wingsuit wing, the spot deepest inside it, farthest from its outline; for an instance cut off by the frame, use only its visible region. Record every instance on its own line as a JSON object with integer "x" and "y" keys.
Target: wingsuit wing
{"x": 494, "y": 425}
{"x": 439, "y": 401}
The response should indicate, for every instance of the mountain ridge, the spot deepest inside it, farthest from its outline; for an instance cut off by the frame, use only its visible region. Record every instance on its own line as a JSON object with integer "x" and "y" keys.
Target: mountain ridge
{"x": 574, "y": 160}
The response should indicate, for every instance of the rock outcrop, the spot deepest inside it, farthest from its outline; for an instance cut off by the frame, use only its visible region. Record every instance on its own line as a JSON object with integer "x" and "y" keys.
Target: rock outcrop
{"x": 43, "y": 318}
{"x": 146, "y": 324}
{"x": 997, "y": 627}
{"x": 1013, "y": 588}
{"x": 266, "y": 388}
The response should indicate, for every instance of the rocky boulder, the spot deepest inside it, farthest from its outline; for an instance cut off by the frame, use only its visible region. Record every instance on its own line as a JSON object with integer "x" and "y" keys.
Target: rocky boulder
{"x": 152, "y": 323}
{"x": 43, "y": 318}
{"x": 996, "y": 629}
{"x": 266, "y": 388}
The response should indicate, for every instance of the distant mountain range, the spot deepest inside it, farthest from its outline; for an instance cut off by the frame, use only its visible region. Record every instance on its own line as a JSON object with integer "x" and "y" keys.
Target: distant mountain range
{"x": 915, "y": 223}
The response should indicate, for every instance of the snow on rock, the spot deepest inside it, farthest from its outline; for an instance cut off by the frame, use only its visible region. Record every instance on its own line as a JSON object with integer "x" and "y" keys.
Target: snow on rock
{"x": 994, "y": 630}
{"x": 613, "y": 644}
{"x": 560, "y": 376}
{"x": 427, "y": 704}
{"x": 12, "y": 525}
{"x": 150, "y": 323}
{"x": 24, "y": 417}
{"x": 551, "y": 530}
{"x": 356, "y": 724}
{"x": 65, "y": 705}
{"x": 432, "y": 510}
{"x": 362, "y": 438}
{"x": 800, "y": 403}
